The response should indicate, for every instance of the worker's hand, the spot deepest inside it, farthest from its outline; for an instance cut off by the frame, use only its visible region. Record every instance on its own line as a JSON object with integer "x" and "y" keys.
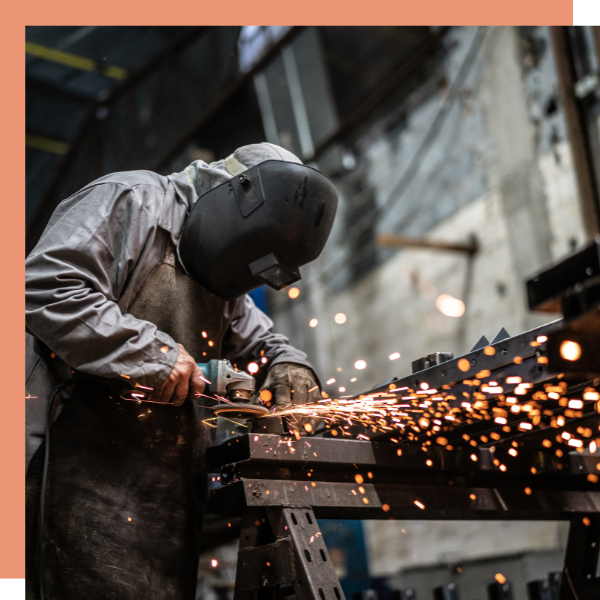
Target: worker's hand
{"x": 185, "y": 380}
{"x": 290, "y": 383}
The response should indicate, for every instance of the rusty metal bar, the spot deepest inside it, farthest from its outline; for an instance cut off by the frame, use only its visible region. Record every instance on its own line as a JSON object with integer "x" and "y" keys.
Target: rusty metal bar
{"x": 402, "y": 241}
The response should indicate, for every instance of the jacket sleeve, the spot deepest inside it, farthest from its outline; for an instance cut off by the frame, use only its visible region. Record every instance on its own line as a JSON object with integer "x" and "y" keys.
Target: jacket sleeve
{"x": 77, "y": 272}
{"x": 250, "y": 337}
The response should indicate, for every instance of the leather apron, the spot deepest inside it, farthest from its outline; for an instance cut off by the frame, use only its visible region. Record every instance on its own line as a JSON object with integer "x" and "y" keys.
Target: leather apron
{"x": 127, "y": 481}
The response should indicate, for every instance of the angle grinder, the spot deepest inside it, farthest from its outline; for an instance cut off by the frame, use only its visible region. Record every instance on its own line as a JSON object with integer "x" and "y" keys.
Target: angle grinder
{"x": 222, "y": 380}
{"x": 233, "y": 389}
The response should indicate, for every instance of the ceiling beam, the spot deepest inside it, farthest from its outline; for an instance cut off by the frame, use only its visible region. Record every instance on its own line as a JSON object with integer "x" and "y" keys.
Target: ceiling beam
{"x": 50, "y": 198}
{"x": 226, "y": 95}
{"x": 75, "y": 61}
{"x": 379, "y": 94}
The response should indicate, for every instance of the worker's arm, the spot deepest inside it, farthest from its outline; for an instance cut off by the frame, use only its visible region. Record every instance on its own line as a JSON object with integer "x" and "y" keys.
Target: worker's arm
{"x": 77, "y": 272}
{"x": 249, "y": 337}
{"x": 289, "y": 376}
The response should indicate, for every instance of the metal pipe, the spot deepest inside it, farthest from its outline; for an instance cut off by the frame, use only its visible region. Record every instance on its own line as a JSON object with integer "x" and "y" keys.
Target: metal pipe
{"x": 402, "y": 241}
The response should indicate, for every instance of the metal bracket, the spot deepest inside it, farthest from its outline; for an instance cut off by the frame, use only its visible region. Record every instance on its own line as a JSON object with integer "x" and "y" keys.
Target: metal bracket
{"x": 281, "y": 546}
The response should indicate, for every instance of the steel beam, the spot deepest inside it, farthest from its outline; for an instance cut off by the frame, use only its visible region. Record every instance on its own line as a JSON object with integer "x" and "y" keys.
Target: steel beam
{"x": 416, "y": 502}
{"x": 380, "y": 93}
{"x": 579, "y": 137}
{"x": 403, "y": 241}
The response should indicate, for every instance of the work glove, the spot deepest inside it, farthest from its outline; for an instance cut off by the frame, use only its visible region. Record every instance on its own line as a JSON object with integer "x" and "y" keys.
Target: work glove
{"x": 290, "y": 384}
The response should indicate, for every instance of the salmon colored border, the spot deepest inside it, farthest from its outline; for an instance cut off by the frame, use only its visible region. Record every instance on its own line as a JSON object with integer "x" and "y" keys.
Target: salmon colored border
{"x": 17, "y": 14}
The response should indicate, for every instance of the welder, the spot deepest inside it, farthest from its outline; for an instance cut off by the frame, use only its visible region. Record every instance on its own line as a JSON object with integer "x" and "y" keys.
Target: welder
{"x": 136, "y": 279}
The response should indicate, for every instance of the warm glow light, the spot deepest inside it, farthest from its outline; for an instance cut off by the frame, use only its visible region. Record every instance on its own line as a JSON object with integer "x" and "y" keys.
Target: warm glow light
{"x": 330, "y": 381}
{"x": 500, "y": 578}
{"x": 313, "y": 322}
{"x": 360, "y": 365}
{"x": 340, "y": 318}
{"x": 513, "y": 379}
{"x": 293, "y": 293}
{"x": 464, "y": 365}
{"x": 252, "y": 367}
{"x": 342, "y": 389}
{"x": 450, "y": 306}
{"x": 266, "y": 395}
{"x": 214, "y": 563}
{"x": 570, "y": 350}
{"x": 576, "y": 404}
{"x": 395, "y": 356}
{"x": 489, "y": 389}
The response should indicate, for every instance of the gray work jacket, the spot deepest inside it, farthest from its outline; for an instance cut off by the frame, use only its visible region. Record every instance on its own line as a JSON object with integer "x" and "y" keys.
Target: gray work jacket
{"x": 94, "y": 256}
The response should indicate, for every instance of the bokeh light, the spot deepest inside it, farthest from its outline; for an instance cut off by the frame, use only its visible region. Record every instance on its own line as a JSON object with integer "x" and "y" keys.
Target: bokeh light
{"x": 313, "y": 322}
{"x": 340, "y": 318}
{"x": 360, "y": 365}
{"x": 394, "y": 355}
{"x": 293, "y": 292}
{"x": 450, "y": 306}
{"x": 570, "y": 350}
{"x": 252, "y": 367}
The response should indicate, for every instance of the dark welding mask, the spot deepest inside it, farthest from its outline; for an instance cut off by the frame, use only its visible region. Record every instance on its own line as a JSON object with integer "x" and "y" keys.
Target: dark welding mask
{"x": 259, "y": 227}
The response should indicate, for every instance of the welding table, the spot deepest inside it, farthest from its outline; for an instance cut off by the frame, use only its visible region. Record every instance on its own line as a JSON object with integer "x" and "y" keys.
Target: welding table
{"x": 280, "y": 486}
{"x": 280, "y": 491}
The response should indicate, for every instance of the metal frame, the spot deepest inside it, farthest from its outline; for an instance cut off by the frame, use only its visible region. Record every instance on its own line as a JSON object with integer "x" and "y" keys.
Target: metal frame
{"x": 280, "y": 487}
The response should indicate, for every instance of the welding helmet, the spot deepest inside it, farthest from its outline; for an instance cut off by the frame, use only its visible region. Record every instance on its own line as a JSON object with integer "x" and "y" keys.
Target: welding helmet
{"x": 258, "y": 227}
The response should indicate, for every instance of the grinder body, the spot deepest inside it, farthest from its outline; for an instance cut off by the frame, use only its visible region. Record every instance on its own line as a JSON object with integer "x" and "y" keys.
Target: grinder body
{"x": 223, "y": 380}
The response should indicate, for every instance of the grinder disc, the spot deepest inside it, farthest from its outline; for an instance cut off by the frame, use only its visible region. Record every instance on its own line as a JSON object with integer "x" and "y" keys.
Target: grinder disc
{"x": 239, "y": 410}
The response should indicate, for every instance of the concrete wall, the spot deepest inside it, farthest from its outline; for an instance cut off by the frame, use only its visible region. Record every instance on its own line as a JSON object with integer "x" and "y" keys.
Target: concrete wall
{"x": 499, "y": 168}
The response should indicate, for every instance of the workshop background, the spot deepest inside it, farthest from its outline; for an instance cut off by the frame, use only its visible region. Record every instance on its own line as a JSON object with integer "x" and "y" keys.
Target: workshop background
{"x": 466, "y": 159}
